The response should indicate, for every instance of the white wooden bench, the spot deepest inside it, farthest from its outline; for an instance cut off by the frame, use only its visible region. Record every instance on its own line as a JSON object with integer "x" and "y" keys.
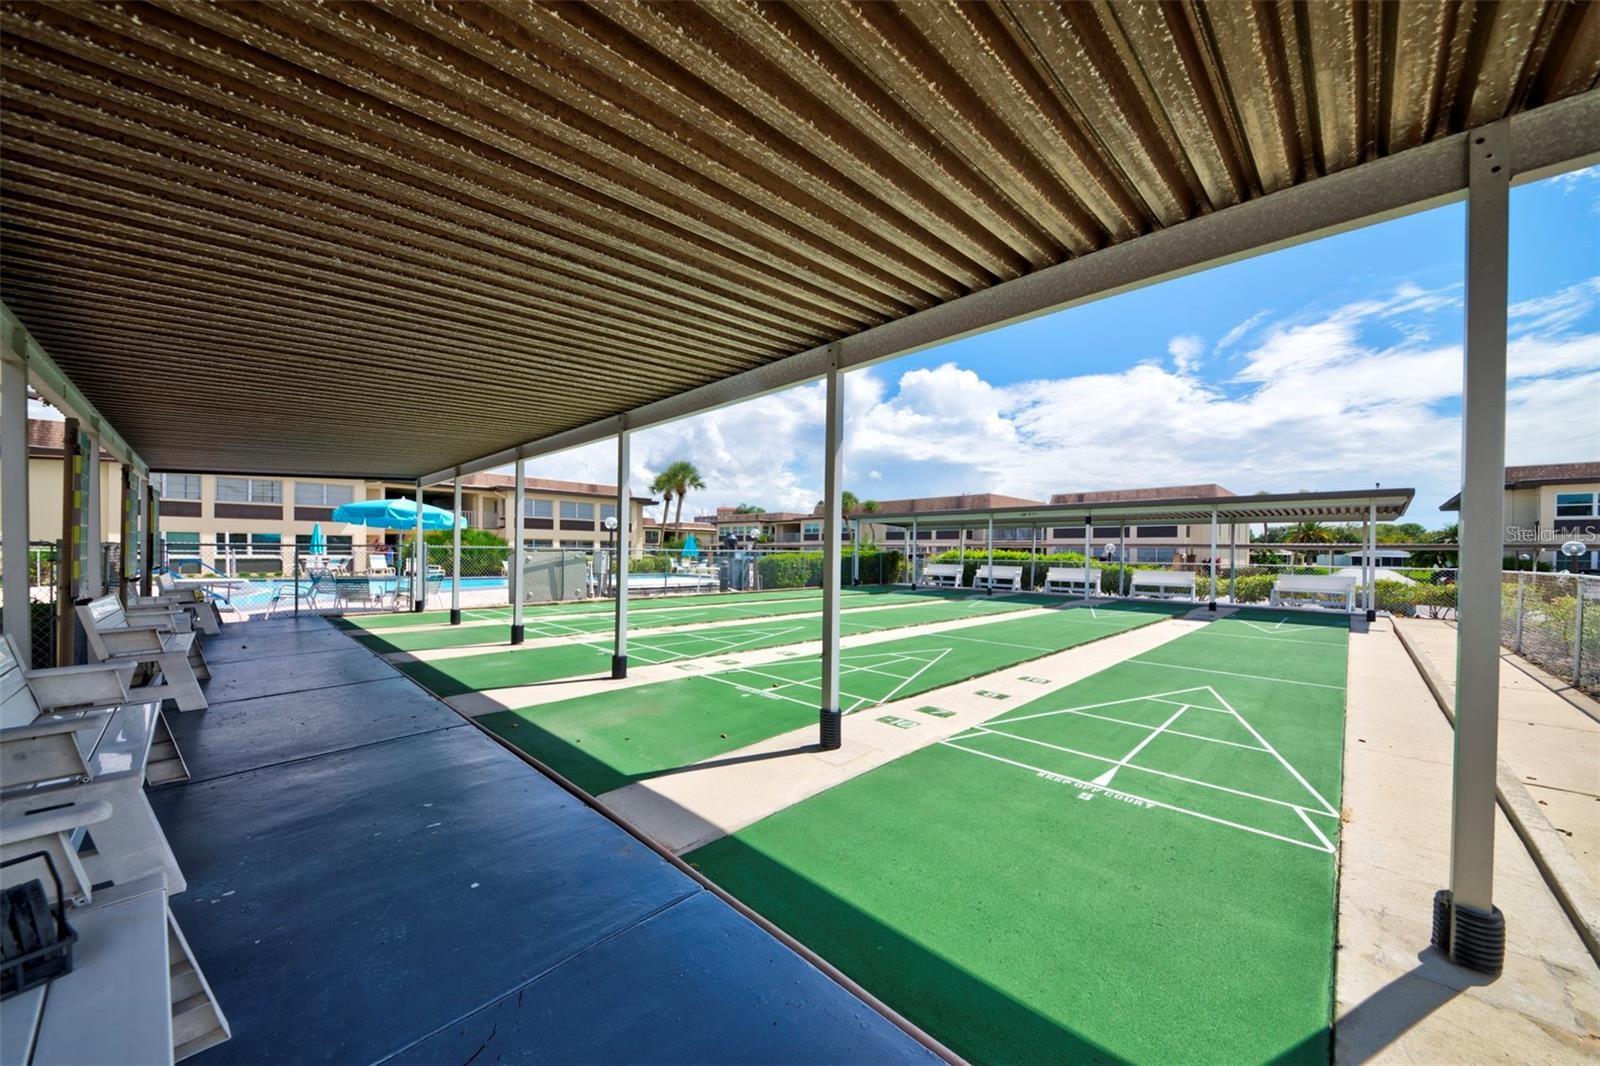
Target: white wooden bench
{"x": 1008, "y": 578}
{"x": 203, "y": 614}
{"x": 1162, "y": 584}
{"x": 941, "y": 575}
{"x": 1314, "y": 590}
{"x": 1071, "y": 579}
{"x": 152, "y": 641}
{"x": 74, "y": 748}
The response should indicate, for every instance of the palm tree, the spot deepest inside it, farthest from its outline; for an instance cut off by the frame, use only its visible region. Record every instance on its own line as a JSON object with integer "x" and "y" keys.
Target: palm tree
{"x": 678, "y": 479}
{"x": 870, "y": 506}
{"x": 1308, "y": 533}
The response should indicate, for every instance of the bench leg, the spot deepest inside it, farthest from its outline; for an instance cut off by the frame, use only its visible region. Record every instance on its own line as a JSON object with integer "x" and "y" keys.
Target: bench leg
{"x": 197, "y": 662}
{"x": 130, "y": 844}
{"x": 181, "y": 684}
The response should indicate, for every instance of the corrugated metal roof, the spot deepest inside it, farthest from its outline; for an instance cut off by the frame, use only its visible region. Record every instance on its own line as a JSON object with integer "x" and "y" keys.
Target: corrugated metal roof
{"x": 384, "y": 238}
{"x": 1338, "y": 505}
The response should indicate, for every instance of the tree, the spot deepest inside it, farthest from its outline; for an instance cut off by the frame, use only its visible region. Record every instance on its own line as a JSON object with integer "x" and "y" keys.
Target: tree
{"x": 749, "y": 508}
{"x": 870, "y": 507}
{"x": 1308, "y": 533}
{"x": 678, "y": 479}
{"x": 848, "y": 501}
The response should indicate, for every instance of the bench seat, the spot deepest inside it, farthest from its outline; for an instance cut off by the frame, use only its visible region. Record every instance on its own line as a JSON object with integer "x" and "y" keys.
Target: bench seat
{"x": 1072, "y": 580}
{"x": 1314, "y": 590}
{"x": 941, "y": 575}
{"x": 1162, "y": 584}
{"x": 1008, "y": 578}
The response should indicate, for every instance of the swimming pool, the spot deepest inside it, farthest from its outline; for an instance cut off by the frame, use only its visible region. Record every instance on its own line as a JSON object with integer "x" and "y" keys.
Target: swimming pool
{"x": 315, "y": 594}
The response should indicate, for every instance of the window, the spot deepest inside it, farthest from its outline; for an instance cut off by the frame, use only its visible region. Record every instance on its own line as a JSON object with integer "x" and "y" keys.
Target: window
{"x": 1575, "y": 504}
{"x": 1160, "y": 531}
{"x": 249, "y": 542}
{"x": 1147, "y": 554}
{"x": 248, "y": 490}
{"x": 1107, "y": 531}
{"x": 532, "y": 508}
{"x": 1067, "y": 532}
{"x": 177, "y": 486}
{"x": 572, "y": 511}
{"x": 318, "y": 494}
{"x": 538, "y": 543}
{"x": 608, "y": 510}
{"x": 336, "y": 545}
{"x": 810, "y": 528}
{"x": 749, "y": 532}
{"x": 577, "y": 544}
{"x": 652, "y": 536}
{"x": 185, "y": 543}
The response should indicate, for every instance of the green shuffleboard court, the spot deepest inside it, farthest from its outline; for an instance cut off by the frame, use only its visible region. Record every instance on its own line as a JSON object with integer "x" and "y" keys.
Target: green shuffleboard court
{"x": 598, "y": 608}
{"x": 608, "y": 740}
{"x": 528, "y": 666}
{"x": 1137, "y": 868}
{"x": 538, "y": 625}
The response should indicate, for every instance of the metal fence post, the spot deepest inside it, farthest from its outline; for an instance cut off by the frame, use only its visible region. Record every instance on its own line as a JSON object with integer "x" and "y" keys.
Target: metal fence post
{"x": 294, "y": 575}
{"x": 1516, "y": 643}
{"x": 1577, "y": 637}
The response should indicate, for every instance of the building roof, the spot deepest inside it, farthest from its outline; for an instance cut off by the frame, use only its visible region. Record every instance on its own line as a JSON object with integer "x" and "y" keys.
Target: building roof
{"x": 48, "y": 437}
{"x": 1339, "y": 505}
{"x": 391, "y": 238}
{"x": 946, "y": 503}
{"x": 721, "y": 518}
{"x": 1165, "y": 492}
{"x": 1529, "y": 477}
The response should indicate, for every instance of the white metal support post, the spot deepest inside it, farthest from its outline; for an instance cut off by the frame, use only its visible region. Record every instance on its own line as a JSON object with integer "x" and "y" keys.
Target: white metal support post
{"x": 93, "y": 575}
{"x": 518, "y": 494}
{"x": 619, "y": 572}
{"x": 419, "y": 561}
{"x": 1233, "y": 562}
{"x": 989, "y": 537}
{"x": 125, "y": 532}
{"x": 855, "y": 552}
{"x": 831, "y": 718}
{"x": 1466, "y": 923}
{"x": 1088, "y": 552}
{"x": 16, "y": 619}
{"x": 911, "y": 556}
{"x": 1213, "y": 604}
{"x": 1122, "y": 561}
{"x": 1372, "y": 560}
{"x": 455, "y": 553}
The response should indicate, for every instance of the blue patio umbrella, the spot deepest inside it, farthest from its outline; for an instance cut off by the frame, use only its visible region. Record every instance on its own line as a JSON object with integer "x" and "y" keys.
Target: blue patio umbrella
{"x": 319, "y": 543}
{"x": 396, "y": 514}
{"x": 691, "y": 548}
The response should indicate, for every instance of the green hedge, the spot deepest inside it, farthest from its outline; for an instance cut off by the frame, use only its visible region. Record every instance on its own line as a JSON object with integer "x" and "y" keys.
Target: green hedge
{"x": 790, "y": 570}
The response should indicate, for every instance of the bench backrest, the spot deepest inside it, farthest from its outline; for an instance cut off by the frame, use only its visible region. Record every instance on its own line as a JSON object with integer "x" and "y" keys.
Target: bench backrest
{"x": 1069, "y": 573}
{"x": 941, "y": 570}
{"x": 97, "y": 615}
{"x": 1001, "y": 571}
{"x": 1316, "y": 583}
{"x": 1163, "y": 578}
{"x": 17, "y": 705}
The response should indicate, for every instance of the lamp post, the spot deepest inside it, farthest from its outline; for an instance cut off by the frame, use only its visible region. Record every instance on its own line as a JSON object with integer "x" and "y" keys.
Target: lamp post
{"x": 610, "y": 525}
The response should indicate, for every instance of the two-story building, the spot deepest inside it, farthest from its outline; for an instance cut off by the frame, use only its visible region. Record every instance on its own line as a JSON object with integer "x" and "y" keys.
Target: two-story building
{"x": 262, "y": 518}
{"x": 1548, "y": 505}
{"x": 1157, "y": 543}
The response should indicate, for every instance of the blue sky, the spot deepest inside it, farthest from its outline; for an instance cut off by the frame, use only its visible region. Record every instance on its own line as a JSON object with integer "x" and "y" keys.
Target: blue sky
{"x": 1334, "y": 364}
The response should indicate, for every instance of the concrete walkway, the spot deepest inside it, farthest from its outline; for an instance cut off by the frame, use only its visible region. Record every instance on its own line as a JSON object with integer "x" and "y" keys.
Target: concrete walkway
{"x": 700, "y": 803}
{"x": 1549, "y": 737}
{"x": 1398, "y": 1000}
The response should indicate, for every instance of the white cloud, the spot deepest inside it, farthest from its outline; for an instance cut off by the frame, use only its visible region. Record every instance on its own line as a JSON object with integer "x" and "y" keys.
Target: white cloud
{"x": 1237, "y": 333}
{"x": 1314, "y": 403}
{"x": 1186, "y": 351}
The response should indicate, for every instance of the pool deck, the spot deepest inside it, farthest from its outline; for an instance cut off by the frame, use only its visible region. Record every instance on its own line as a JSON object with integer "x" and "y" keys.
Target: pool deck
{"x": 372, "y": 879}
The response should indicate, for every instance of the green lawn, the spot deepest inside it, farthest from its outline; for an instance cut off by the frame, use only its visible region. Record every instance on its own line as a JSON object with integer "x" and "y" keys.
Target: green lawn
{"x": 608, "y": 740}
{"x": 1138, "y": 867}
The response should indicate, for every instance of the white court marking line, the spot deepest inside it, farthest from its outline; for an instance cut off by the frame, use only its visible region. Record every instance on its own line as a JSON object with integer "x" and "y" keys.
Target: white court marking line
{"x": 1230, "y": 673}
{"x": 1212, "y": 632}
{"x": 1170, "y": 732}
{"x": 1105, "y": 778}
{"x": 1327, "y": 849}
{"x": 776, "y": 692}
{"x": 1162, "y": 697}
{"x": 1005, "y": 719}
{"x": 979, "y": 730}
{"x": 719, "y": 646}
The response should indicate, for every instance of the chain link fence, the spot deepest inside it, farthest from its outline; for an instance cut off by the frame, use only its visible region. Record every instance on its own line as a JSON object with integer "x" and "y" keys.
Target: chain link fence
{"x": 1553, "y": 619}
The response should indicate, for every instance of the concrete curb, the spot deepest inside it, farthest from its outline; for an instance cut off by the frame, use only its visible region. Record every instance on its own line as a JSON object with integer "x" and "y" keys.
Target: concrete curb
{"x": 1561, "y": 872}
